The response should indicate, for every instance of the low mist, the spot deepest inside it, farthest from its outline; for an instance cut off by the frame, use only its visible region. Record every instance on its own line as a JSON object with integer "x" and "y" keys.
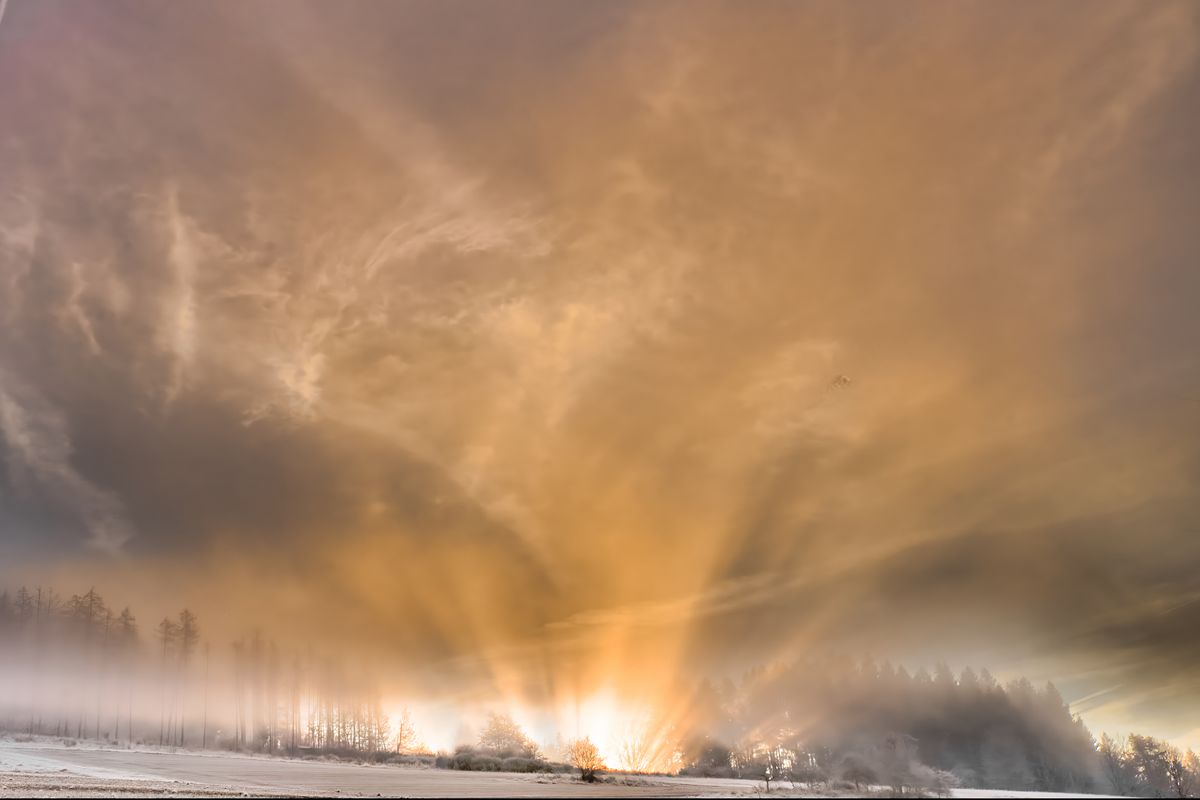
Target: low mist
{"x": 74, "y": 669}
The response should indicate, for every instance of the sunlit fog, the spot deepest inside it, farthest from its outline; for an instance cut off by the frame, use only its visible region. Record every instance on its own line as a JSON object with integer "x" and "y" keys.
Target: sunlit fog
{"x": 793, "y": 392}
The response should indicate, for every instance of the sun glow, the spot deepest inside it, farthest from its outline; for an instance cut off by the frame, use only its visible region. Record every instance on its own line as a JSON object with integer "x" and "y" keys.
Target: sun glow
{"x": 433, "y": 726}
{"x": 629, "y": 735}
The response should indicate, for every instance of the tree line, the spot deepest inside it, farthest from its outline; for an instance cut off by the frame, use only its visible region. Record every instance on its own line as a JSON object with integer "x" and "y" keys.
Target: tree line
{"x": 73, "y": 666}
{"x": 827, "y": 720}
{"x": 65, "y": 663}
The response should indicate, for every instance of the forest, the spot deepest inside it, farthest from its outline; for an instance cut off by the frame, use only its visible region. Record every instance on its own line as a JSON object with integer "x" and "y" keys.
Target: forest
{"x": 74, "y": 667}
{"x": 862, "y": 722}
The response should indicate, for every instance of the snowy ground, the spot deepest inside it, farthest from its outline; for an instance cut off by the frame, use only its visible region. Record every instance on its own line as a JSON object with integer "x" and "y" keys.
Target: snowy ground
{"x": 46, "y": 769}
{"x": 970, "y": 793}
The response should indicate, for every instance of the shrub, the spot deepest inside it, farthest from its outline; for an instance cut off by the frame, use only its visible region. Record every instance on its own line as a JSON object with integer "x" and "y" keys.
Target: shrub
{"x": 940, "y": 782}
{"x": 521, "y": 764}
{"x": 470, "y": 759}
{"x": 486, "y": 764}
{"x": 585, "y": 757}
{"x": 857, "y": 769}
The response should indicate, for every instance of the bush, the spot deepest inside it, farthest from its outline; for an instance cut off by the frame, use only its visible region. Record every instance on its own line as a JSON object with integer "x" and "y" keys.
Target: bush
{"x": 585, "y": 757}
{"x": 486, "y": 764}
{"x": 408, "y": 759}
{"x": 521, "y": 764}
{"x": 857, "y": 769}
{"x": 470, "y": 759}
{"x": 940, "y": 782}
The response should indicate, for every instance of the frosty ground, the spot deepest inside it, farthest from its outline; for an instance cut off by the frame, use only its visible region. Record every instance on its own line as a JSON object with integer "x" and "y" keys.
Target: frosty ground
{"x": 46, "y": 769}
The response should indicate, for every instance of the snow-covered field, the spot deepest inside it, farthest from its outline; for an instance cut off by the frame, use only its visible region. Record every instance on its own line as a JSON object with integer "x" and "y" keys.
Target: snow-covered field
{"x": 48, "y": 769}
{"x": 984, "y": 793}
{"x": 52, "y": 770}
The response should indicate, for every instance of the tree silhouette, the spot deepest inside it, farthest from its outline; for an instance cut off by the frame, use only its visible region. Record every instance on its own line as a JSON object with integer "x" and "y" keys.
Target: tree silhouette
{"x": 167, "y": 633}
{"x": 189, "y": 635}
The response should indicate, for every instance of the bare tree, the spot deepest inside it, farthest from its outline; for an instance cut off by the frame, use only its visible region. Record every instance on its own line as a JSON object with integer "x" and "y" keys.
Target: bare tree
{"x": 405, "y": 738}
{"x": 189, "y": 634}
{"x": 101, "y": 683}
{"x": 776, "y": 760}
{"x": 585, "y": 757}
{"x": 1114, "y": 762}
{"x": 86, "y": 612}
{"x": 204, "y": 725}
{"x": 23, "y": 603}
{"x": 1182, "y": 780}
{"x": 239, "y": 714}
{"x": 504, "y": 737}
{"x": 857, "y": 769}
{"x": 127, "y": 638}
{"x": 167, "y": 633}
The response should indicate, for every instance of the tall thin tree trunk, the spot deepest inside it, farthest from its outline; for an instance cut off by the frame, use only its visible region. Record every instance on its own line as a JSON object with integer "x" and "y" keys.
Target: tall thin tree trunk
{"x": 204, "y": 728}
{"x": 162, "y": 716}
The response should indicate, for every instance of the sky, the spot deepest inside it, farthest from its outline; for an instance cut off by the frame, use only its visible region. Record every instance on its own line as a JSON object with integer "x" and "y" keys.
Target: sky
{"x": 549, "y": 349}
